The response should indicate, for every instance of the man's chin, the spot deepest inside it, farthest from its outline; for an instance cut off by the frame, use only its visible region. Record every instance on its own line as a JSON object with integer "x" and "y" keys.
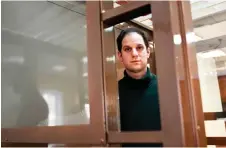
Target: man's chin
{"x": 135, "y": 69}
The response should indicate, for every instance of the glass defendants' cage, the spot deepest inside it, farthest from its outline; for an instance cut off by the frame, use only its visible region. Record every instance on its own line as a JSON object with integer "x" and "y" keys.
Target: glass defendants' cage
{"x": 60, "y": 73}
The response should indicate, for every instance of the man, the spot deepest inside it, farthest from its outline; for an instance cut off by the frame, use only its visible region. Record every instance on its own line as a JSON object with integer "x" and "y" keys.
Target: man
{"x": 138, "y": 92}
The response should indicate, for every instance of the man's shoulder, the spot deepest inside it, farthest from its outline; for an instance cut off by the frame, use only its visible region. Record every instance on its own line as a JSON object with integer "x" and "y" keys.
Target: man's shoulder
{"x": 121, "y": 81}
{"x": 153, "y": 77}
{"x": 154, "y": 83}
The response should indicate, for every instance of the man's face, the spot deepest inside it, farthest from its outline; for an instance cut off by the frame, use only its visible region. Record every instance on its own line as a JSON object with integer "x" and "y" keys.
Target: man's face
{"x": 134, "y": 54}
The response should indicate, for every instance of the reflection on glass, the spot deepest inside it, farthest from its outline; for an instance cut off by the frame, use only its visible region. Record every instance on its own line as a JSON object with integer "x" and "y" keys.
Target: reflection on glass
{"x": 209, "y": 29}
{"x": 210, "y": 77}
{"x": 44, "y": 64}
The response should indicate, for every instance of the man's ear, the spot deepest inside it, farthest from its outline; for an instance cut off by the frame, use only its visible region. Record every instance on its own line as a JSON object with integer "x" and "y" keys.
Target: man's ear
{"x": 120, "y": 56}
{"x": 148, "y": 52}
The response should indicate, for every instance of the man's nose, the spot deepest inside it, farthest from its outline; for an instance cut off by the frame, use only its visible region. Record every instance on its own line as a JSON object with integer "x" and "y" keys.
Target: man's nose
{"x": 134, "y": 52}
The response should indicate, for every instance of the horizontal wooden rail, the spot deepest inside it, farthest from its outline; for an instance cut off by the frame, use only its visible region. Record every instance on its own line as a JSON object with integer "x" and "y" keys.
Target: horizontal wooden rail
{"x": 221, "y": 141}
{"x": 125, "y": 13}
{"x": 80, "y": 134}
{"x": 214, "y": 115}
{"x": 135, "y": 137}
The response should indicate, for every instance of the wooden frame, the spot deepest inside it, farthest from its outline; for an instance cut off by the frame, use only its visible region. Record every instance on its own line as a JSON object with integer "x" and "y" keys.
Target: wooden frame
{"x": 122, "y": 14}
{"x": 192, "y": 73}
{"x": 182, "y": 118}
{"x": 166, "y": 26}
{"x": 211, "y": 115}
{"x": 192, "y": 89}
{"x": 219, "y": 141}
{"x": 79, "y": 134}
{"x": 131, "y": 137}
{"x": 115, "y": 137}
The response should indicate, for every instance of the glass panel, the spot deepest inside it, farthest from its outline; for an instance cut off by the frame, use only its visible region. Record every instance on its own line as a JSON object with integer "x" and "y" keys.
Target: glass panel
{"x": 210, "y": 37}
{"x": 44, "y": 64}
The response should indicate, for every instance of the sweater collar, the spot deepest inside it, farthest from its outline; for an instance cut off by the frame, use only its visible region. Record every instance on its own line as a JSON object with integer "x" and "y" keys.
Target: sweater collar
{"x": 138, "y": 83}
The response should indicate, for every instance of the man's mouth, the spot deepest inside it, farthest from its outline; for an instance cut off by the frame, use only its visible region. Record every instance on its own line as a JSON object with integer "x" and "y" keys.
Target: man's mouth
{"x": 136, "y": 61}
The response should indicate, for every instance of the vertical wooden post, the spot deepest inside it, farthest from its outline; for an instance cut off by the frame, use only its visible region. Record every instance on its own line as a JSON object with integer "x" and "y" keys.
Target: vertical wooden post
{"x": 166, "y": 26}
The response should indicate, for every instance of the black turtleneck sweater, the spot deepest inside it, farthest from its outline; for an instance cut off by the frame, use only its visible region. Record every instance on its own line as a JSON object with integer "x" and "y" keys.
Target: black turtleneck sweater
{"x": 139, "y": 105}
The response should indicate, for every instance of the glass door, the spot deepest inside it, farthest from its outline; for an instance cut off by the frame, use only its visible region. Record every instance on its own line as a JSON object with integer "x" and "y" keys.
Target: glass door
{"x": 52, "y": 82}
{"x": 161, "y": 22}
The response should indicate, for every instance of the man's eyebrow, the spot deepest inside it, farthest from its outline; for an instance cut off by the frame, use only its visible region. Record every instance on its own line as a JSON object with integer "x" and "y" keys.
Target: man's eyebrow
{"x": 125, "y": 46}
{"x": 140, "y": 44}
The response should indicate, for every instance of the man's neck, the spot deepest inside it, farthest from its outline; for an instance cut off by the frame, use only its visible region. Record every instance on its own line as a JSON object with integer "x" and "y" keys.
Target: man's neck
{"x": 137, "y": 75}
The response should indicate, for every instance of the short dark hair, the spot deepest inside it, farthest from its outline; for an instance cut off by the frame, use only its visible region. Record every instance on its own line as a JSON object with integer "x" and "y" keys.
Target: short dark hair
{"x": 123, "y": 33}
